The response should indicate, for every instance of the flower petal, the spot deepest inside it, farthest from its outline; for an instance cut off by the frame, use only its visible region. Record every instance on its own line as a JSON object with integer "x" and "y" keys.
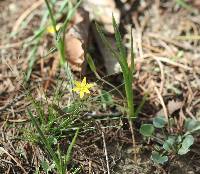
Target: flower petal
{"x": 89, "y": 85}
{"x": 81, "y": 94}
{"x": 84, "y": 81}
{"x": 50, "y": 29}
{"x": 86, "y": 90}
{"x": 78, "y": 84}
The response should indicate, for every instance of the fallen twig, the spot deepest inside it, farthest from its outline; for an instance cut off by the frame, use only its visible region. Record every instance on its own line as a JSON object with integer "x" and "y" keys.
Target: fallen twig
{"x": 25, "y": 14}
{"x": 106, "y": 153}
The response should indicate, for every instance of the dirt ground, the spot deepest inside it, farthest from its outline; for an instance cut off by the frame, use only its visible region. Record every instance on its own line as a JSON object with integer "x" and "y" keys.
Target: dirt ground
{"x": 167, "y": 68}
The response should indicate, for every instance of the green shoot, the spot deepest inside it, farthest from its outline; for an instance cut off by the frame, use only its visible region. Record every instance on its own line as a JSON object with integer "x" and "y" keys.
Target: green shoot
{"x": 60, "y": 36}
{"x": 126, "y": 71}
{"x": 60, "y": 161}
{"x": 37, "y": 38}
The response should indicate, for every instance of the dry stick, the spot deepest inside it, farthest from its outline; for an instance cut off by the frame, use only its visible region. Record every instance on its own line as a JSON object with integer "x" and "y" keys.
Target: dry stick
{"x": 106, "y": 153}
{"x": 133, "y": 140}
{"x": 169, "y": 51}
{"x": 196, "y": 102}
{"x": 8, "y": 171}
{"x": 90, "y": 167}
{"x": 152, "y": 48}
{"x": 25, "y": 14}
{"x": 166, "y": 60}
{"x": 12, "y": 45}
{"x": 188, "y": 37}
{"x": 4, "y": 123}
{"x": 156, "y": 36}
{"x": 4, "y": 151}
{"x": 162, "y": 103}
{"x": 188, "y": 84}
{"x": 162, "y": 75}
{"x": 190, "y": 114}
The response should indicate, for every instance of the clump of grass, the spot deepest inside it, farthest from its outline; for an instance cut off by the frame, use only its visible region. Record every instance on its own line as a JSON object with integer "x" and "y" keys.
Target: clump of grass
{"x": 53, "y": 125}
{"x": 59, "y": 159}
{"x": 128, "y": 74}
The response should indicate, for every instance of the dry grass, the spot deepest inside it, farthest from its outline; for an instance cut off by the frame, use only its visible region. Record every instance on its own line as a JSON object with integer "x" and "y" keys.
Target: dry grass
{"x": 166, "y": 44}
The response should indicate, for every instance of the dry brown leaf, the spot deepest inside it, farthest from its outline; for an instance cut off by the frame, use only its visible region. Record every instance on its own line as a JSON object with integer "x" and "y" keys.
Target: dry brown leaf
{"x": 76, "y": 40}
{"x": 195, "y": 3}
{"x": 172, "y": 106}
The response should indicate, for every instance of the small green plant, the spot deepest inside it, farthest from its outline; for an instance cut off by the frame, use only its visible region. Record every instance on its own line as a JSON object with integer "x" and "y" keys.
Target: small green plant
{"x": 169, "y": 143}
{"x": 127, "y": 71}
{"x": 60, "y": 159}
{"x": 59, "y": 35}
{"x": 51, "y": 125}
{"x": 128, "y": 75}
{"x": 106, "y": 99}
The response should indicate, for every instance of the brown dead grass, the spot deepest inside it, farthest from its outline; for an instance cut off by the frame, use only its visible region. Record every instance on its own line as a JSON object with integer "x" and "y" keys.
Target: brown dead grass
{"x": 168, "y": 68}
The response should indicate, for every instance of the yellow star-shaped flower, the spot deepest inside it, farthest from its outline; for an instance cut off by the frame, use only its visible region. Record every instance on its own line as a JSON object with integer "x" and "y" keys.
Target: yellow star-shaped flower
{"x": 50, "y": 29}
{"x": 82, "y": 87}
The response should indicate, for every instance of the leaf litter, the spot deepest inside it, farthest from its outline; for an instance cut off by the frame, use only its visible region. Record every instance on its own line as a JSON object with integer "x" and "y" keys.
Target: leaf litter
{"x": 166, "y": 45}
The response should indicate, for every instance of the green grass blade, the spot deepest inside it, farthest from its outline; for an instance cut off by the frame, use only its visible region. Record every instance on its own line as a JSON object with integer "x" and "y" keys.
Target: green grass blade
{"x": 122, "y": 52}
{"x": 53, "y": 21}
{"x": 119, "y": 42}
{"x": 109, "y": 47}
{"x": 37, "y": 37}
{"x": 42, "y": 137}
{"x": 69, "y": 150}
{"x": 127, "y": 74}
{"x": 132, "y": 68}
{"x": 105, "y": 41}
{"x": 71, "y": 11}
{"x": 91, "y": 63}
{"x": 139, "y": 108}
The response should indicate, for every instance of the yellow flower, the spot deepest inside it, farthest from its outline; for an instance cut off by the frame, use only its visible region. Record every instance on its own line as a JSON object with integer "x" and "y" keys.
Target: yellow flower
{"x": 50, "y": 29}
{"x": 82, "y": 87}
